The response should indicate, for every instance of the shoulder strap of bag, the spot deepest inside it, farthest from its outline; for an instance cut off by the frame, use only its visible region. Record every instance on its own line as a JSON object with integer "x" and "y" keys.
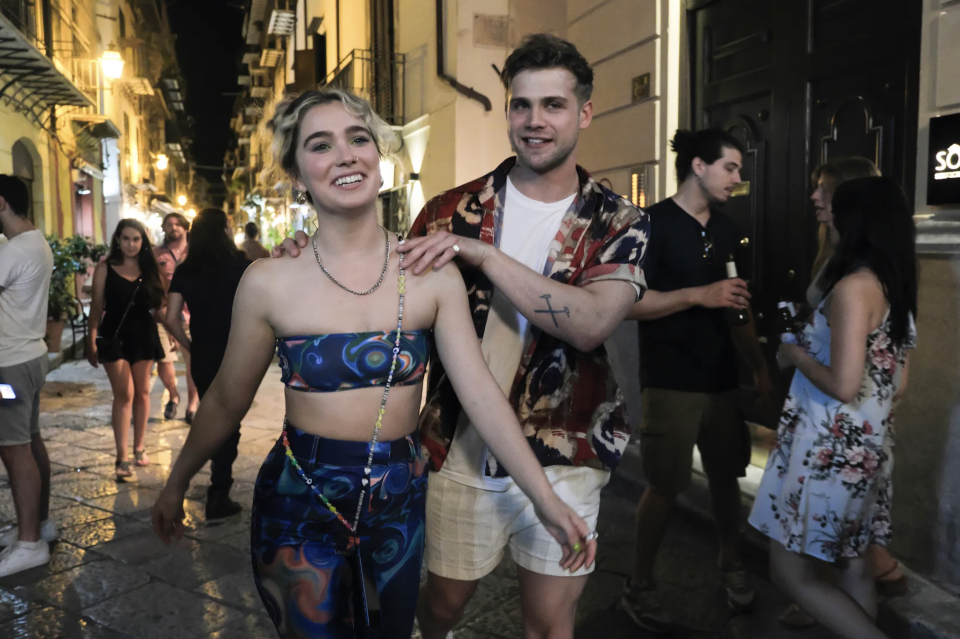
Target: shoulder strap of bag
{"x": 127, "y": 310}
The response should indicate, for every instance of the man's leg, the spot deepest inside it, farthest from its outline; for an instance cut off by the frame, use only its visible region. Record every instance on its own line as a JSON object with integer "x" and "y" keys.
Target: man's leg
{"x": 167, "y": 372}
{"x": 671, "y": 424}
{"x": 724, "y": 445}
{"x": 549, "y": 604}
{"x": 549, "y": 593}
{"x": 467, "y": 533}
{"x": 653, "y": 516}
{"x": 25, "y": 484}
{"x": 42, "y": 460}
{"x": 441, "y": 605}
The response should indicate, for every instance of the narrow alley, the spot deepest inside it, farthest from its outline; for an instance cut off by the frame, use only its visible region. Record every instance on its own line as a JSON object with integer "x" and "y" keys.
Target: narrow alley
{"x": 111, "y": 578}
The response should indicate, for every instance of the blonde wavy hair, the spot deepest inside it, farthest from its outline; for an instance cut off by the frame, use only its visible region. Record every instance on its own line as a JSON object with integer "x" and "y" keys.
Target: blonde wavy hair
{"x": 838, "y": 171}
{"x": 280, "y": 131}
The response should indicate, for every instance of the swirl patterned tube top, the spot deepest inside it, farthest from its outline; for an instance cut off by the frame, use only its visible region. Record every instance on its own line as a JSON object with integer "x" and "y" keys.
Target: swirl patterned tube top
{"x": 344, "y": 361}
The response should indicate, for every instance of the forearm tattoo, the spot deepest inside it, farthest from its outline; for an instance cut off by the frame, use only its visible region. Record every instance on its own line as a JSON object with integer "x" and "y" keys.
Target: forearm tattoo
{"x": 552, "y": 311}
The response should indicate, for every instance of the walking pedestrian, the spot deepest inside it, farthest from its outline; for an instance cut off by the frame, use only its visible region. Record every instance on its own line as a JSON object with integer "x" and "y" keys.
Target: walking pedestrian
{"x": 825, "y": 495}
{"x": 332, "y": 512}
{"x": 552, "y": 261}
{"x": 251, "y": 247}
{"x": 826, "y": 177}
{"x": 128, "y": 288}
{"x": 170, "y": 254}
{"x": 688, "y": 367}
{"x": 207, "y": 281}
{"x": 26, "y": 265}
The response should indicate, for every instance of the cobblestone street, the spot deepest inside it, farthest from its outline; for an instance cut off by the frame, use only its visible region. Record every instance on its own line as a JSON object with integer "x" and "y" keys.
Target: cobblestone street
{"x": 110, "y": 577}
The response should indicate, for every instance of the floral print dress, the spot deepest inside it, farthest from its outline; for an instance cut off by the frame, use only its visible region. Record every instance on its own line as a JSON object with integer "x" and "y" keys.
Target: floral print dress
{"x": 827, "y": 488}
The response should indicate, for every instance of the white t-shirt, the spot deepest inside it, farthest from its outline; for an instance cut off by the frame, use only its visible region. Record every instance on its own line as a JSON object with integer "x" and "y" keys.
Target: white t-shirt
{"x": 527, "y": 229}
{"x": 26, "y": 264}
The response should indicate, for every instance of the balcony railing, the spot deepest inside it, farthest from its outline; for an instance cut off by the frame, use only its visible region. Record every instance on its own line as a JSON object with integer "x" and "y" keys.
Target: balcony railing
{"x": 381, "y": 84}
{"x": 70, "y": 39}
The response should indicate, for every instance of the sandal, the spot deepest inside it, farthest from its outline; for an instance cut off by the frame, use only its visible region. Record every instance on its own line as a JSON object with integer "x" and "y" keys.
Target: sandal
{"x": 123, "y": 470}
{"x": 170, "y": 410}
{"x": 795, "y": 618}
{"x": 140, "y": 457}
{"x": 891, "y": 587}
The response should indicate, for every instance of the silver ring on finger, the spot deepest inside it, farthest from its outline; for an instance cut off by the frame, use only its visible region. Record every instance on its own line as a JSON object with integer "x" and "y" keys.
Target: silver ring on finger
{"x": 456, "y": 248}
{"x": 593, "y": 535}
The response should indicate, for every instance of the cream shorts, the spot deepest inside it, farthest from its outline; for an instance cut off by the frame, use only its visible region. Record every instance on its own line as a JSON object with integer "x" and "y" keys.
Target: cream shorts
{"x": 166, "y": 339}
{"x": 469, "y": 529}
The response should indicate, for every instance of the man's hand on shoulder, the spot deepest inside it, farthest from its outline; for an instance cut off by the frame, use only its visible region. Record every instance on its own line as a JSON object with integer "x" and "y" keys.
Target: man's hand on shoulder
{"x": 436, "y": 250}
{"x": 291, "y": 245}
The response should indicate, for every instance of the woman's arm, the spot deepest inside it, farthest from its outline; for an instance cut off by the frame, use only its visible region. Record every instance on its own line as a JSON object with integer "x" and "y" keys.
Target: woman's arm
{"x": 171, "y": 320}
{"x": 488, "y": 410}
{"x": 249, "y": 353}
{"x": 96, "y": 310}
{"x": 904, "y": 376}
{"x": 856, "y": 308}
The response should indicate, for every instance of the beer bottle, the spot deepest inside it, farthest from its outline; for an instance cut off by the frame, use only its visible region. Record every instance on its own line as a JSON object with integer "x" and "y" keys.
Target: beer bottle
{"x": 735, "y": 316}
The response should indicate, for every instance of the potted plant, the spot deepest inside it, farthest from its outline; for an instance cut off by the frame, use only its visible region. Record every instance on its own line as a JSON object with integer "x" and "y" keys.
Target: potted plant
{"x": 70, "y": 256}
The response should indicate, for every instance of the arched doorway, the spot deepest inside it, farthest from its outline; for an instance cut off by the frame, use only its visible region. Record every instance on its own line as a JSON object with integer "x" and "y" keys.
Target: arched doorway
{"x": 26, "y": 166}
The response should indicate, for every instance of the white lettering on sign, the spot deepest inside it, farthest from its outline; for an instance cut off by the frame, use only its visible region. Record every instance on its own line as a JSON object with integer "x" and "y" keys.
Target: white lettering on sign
{"x": 949, "y": 159}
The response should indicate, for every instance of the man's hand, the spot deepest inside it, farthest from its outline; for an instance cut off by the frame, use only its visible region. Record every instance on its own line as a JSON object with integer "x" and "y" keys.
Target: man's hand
{"x": 422, "y": 253}
{"x": 291, "y": 245}
{"x": 732, "y": 293}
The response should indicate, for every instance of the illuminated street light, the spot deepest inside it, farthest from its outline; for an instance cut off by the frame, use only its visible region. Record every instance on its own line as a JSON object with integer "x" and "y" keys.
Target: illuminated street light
{"x": 112, "y": 64}
{"x": 162, "y": 162}
{"x": 181, "y": 200}
{"x": 192, "y": 213}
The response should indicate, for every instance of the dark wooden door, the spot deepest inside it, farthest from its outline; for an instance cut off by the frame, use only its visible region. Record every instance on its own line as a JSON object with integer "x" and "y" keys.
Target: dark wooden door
{"x": 799, "y": 82}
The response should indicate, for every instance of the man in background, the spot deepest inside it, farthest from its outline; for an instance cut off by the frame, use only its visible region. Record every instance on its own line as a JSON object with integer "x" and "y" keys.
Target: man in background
{"x": 26, "y": 264}
{"x": 169, "y": 256}
{"x": 251, "y": 247}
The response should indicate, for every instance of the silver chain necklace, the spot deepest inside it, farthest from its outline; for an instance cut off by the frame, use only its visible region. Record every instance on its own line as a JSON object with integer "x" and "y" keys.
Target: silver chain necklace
{"x": 386, "y": 262}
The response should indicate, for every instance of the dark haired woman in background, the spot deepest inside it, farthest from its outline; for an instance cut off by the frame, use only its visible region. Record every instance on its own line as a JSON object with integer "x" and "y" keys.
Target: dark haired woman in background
{"x": 207, "y": 282}
{"x": 127, "y": 288}
{"x": 825, "y": 495}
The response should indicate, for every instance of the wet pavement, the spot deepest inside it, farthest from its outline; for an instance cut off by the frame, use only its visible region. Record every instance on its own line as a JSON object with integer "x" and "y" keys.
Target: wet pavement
{"x": 110, "y": 577}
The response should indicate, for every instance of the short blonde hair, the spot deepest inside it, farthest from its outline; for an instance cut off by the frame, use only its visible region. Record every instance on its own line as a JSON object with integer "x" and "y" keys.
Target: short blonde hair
{"x": 280, "y": 130}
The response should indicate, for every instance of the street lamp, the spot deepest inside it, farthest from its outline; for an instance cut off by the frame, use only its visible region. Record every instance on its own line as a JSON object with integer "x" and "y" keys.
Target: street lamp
{"x": 162, "y": 162}
{"x": 182, "y": 200}
{"x": 192, "y": 213}
{"x": 112, "y": 64}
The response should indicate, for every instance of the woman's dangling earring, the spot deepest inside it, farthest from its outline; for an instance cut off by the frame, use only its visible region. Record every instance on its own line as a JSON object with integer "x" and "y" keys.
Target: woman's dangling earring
{"x": 302, "y": 198}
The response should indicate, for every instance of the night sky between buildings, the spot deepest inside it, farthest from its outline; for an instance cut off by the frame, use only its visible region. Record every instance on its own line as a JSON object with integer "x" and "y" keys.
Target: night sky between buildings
{"x": 209, "y": 46}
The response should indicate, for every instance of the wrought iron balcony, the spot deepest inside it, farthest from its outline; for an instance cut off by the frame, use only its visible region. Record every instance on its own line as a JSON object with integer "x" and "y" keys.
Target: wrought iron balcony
{"x": 379, "y": 81}
{"x": 38, "y": 72}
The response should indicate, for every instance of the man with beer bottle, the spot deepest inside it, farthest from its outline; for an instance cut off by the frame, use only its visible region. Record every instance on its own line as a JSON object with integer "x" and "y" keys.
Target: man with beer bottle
{"x": 693, "y": 319}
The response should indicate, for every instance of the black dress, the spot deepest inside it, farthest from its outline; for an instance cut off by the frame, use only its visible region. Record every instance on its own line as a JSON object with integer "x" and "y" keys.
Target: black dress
{"x": 137, "y": 340}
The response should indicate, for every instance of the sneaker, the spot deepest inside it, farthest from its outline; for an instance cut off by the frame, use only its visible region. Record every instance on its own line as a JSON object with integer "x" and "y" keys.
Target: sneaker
{"x": 641, "y": 602}
{"x": 220, "y": 506}
{"x": 740, "y": 597}
{"x": 23, "y": 555}
{"x": 48, "y": 533}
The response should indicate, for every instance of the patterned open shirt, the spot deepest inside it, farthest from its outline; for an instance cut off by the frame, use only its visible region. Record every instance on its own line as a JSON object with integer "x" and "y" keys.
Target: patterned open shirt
{"x": 567, "y": 401}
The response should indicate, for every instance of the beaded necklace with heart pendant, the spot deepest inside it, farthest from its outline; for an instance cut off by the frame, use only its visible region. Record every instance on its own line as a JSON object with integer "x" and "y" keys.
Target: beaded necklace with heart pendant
{"x": 401, "y": 285}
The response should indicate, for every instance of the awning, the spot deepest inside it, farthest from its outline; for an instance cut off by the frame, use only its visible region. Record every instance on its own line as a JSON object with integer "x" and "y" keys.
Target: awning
{"x": 30, "y": 80}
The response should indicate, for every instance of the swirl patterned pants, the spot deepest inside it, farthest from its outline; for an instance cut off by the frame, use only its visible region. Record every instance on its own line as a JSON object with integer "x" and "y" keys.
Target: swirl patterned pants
{"x": 317, "y": 579}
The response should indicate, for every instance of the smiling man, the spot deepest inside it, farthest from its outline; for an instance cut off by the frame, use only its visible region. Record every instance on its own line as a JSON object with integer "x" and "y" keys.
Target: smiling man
{"x": 553, "y": 262}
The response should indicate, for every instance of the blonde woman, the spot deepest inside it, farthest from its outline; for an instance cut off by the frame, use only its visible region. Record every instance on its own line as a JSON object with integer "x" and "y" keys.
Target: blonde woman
{"x": 339, "y": 503}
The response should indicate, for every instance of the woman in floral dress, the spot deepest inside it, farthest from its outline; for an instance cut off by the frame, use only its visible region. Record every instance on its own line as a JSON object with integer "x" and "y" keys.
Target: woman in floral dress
{"x": 825, "y": 495}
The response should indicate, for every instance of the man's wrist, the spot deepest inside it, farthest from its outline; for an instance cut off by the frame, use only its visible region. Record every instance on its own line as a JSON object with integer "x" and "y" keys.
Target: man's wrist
{"x": 695, "y": 296}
